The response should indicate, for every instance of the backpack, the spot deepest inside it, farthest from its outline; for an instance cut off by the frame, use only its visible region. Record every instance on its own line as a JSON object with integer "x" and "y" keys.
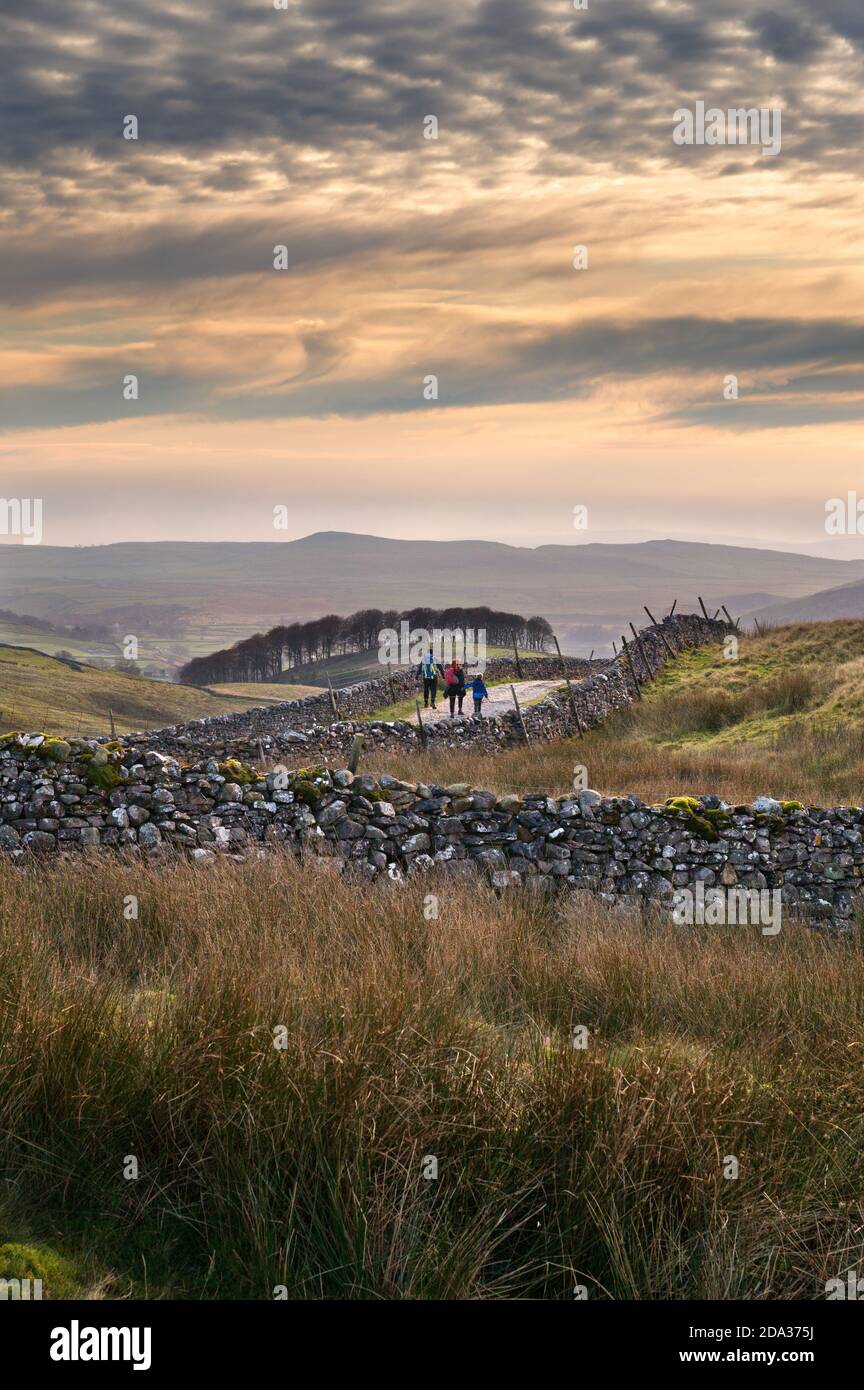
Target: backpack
{"x": 450, "y": 677}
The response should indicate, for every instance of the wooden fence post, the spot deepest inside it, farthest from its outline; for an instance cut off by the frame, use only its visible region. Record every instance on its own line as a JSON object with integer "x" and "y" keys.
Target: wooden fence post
{"x": 356, "y": 750}
{"x": 111, "y": 717}
{"x": 573, "y": 710}
{"x": 638, "y": 640}
{"x": 518, "y": 662}
{"x": 632, "y": 668}
{"x": 702, "y": 606}
{"x": 671, "y": 612}
{"x": 333, "y": 705}
{"x": 420, "y": 722}
{"x": 558, "y": 650}
{"x": 662, "y": 635}
{"x": 519, "y": 713}
{"x": 651, "y": 617}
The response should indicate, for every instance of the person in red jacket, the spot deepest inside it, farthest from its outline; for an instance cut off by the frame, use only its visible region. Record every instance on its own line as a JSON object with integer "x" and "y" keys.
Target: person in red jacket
{"x": 454, "y": 684}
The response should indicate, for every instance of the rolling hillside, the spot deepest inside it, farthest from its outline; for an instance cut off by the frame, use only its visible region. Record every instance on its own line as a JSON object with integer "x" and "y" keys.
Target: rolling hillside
{"x": 844, "y": 601}
{"x": 200, "y": 596}
{"x": 44, "y": 694}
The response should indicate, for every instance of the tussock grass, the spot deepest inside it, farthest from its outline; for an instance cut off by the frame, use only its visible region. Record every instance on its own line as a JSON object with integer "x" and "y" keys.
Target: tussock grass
{"x": 406, "y": 1038}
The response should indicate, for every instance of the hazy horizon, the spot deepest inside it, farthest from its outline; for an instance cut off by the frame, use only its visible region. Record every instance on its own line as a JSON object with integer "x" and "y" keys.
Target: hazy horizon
{"x": 834, "y": 548}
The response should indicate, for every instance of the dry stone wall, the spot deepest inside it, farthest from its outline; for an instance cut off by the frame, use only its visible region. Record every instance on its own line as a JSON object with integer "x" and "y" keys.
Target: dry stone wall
{"x": 383, "y": 827}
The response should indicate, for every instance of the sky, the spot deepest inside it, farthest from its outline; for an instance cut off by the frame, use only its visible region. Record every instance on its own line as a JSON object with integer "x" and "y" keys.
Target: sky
{"x": 303, "y": 393}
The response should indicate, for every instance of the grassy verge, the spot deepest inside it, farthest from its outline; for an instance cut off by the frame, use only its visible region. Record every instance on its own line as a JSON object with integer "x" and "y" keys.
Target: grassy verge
{"x": 406, "y": 1039}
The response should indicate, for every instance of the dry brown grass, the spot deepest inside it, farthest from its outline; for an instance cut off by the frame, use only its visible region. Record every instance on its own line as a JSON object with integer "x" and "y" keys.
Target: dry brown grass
{"x": 818, "y": 767}
{"x": 407, "y": 1037}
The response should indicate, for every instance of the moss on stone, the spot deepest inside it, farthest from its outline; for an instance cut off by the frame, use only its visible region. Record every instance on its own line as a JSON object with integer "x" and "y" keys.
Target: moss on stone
{"x": 55, "y": 749}
{"x": 307, "y": 792}
{"x": 702, "y": 828}
{"x": 701, "y": 823}
{"x": 683, "y": 803}
{"x": 102, "y": 777}
{"x": 792, "y": 805}
{"x": 235, "y": 771}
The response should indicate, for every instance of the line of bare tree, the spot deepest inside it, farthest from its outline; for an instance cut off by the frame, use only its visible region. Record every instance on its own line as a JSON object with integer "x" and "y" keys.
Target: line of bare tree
{"x": 266, "y": 655}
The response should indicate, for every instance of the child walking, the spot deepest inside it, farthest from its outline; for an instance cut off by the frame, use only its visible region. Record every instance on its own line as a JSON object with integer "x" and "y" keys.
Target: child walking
{"x": 479, "y": 693}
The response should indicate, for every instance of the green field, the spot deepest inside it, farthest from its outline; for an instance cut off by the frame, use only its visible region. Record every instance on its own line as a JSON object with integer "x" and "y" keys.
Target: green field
{"x": 160, "y": 656}
{"x": 39, "y": 693}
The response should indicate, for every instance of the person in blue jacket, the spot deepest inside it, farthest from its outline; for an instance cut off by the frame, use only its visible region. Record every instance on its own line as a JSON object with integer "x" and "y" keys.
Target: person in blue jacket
{"x": 479, "y": 693}
{"x": 429, "y": 673}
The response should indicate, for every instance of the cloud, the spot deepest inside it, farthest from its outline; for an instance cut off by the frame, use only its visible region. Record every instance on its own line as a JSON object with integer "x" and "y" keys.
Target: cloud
{"x": 408, "y": 257}
{"x": 501, "y": 364}
{"x": 334, "y": 74}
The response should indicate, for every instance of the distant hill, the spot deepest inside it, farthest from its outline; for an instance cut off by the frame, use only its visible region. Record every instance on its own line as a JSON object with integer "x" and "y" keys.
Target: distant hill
{"x": 215, "y": 592}
{"x": 44, "y": 694}
{"x": 844, "y": 601}
{"x": 745, "y": 604}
